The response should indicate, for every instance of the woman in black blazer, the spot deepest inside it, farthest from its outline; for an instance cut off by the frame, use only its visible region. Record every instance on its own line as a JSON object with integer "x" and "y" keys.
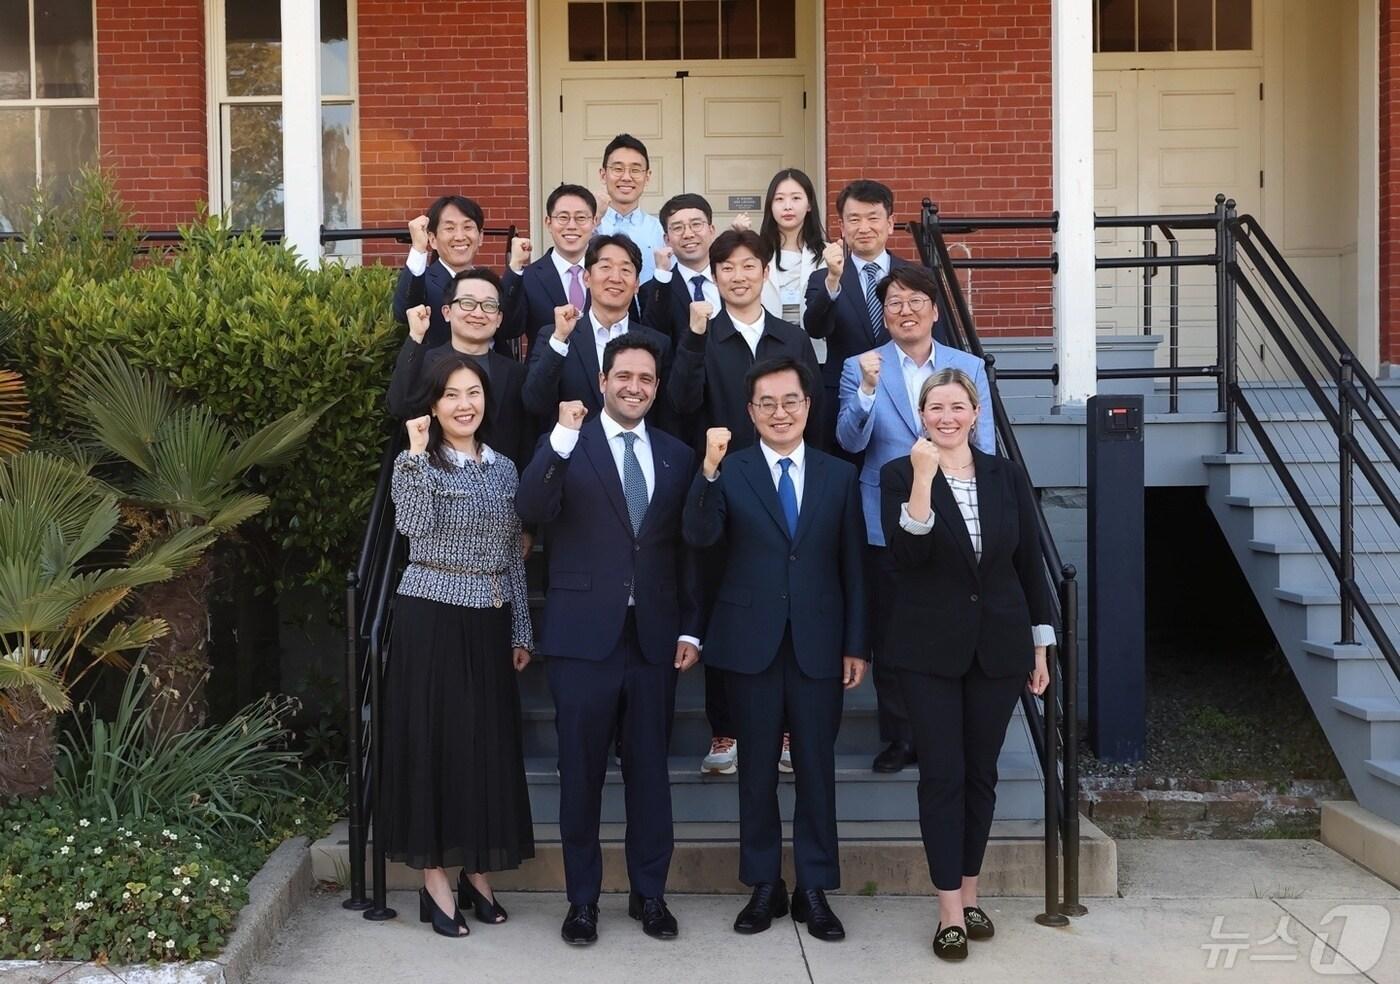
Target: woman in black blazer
{"x": 969, "y": 627}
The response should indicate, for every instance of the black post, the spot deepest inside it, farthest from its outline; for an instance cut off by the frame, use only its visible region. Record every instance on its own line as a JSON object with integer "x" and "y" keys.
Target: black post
{"x": 1174, "y": 327}
{"x": 1230, "y": 359}
{"x": 380, "y": 910}
{"x": 357, "y": 900}
{"x": 1346, "y": 573}
{"x": 1050, "y": 766}
{"x": 1149, "y": 250}
{"x": 1069, "y": 656}
{"x": 1222, "y": 276}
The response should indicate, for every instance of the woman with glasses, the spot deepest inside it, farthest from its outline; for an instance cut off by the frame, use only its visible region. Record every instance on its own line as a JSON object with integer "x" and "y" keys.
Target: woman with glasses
{"x": 967, "y": 631}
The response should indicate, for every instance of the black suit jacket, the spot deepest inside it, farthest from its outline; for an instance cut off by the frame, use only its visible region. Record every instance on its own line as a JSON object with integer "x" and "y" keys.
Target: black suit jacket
{"x": 554, "y": 378}
{"x": 815, "y": 580}
{"x": 666, "y": 307}
{"x": 596, "y": 561}
{"x": 707, "y": 378}
{"x": 538, "y": 293}
{"x": 949, "y": 607}
{"x": 411, "y": 291}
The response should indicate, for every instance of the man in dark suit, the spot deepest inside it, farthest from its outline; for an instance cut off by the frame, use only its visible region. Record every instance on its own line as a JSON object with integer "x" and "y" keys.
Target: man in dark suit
{"x": 621, "y": 619}
{"x": 683, "y": 273}
{"x": 567, "y": 353}
{"x": 788, "y": 627}
{"x": 472, "y": 310}
{"x": 557, "y": 278}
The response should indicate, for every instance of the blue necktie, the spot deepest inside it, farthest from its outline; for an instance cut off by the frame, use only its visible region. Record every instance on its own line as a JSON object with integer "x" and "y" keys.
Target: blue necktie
{"x": 634, "y": 483}
{"x": 872, "y": 302}
{"x": 787, "y": 496}
{"x": 697, "y": 282}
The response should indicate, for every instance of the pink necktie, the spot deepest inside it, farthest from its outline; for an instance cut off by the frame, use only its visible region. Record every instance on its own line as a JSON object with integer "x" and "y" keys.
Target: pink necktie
{"x": 575, "y": 287}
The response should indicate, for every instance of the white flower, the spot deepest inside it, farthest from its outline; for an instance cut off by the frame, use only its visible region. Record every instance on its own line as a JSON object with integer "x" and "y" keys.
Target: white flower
{"x": 165, "y": 833}
{"x": 297, "y": 821}
{"x": 101, "y": 819}
{"x": 92, "y": 894}
{"x": 84, "y": 823}
{"x": 170, "y": 944}
{"x": 150, "y": 934}
{"x": 224, "y": 889}
{"x": 175, "y": 870}
{"x": 64, "y": 850}
{"x": 136, "y": 843}
{"x": 184, "y": 881}
{"x": 15, "y": 826}
{"x": 214, "y": 882}
{"x": 126, "y": 896}
{"x": 236, "y": 878}
{"x": 185, "y": 899}
{"x": 68, "y": 839}
{"x": 3, "y": 920}
{"x": 97, "y": 850}
{"x": 36, "y": 947}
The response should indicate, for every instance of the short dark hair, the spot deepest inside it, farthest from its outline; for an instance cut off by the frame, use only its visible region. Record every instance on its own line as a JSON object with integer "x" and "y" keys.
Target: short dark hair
{"x": 773, "y": 366}
{"x": 618, "y": 239}
{"x": 625, "y": 342}
{"x": 564, "y": 191}
{"x": 910, "y": 277}
{"x": 435, "y": 384}
{"x": 625, "y": 141}
{"x": 462, "y": 203}
{"x": 869, "y": 192}
{"x": 730, "y": 240}
{"x": 687, "y": 200}
{"x": 475, "y": 273}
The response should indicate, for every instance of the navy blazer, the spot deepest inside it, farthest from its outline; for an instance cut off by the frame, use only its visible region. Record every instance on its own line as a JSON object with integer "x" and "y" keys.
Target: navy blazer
{"x": 596, "y": 562}
{"x": 815, "y": 580}
{"x": 411, "y": 291}
{"x": 539, "y": 292}
{"x": 554, "y": 378}
{"x": 666, "y": 306}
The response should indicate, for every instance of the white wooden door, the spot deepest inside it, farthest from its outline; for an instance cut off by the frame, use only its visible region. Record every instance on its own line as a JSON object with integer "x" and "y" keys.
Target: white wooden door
{"x": 595, "y": 111}
{"x": 1119, "y": 295}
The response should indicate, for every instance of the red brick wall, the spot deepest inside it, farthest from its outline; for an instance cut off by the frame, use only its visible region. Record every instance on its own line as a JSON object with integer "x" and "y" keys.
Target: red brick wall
{"x": 151, "y": 112}
{"x": 1390, "y": 180}
{"x": 443, "y": 108}
{"x": 950, "y": 100}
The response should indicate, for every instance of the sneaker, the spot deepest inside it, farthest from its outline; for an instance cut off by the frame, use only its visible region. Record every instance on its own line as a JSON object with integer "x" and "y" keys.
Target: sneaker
{"x": 785, "y": 760}
{"x": 723, "y": 759}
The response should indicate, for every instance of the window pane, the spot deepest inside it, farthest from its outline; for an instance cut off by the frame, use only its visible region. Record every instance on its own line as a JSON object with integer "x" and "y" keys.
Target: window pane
{"x": 16, "y": 165}
{"x": 1155, "y": 25}
{"x": 777, "y": 29}
{"x": 700, "y": 30}
{"x": 624, "y": 31}
{"x": 585, "y": 32}
{"x": 738, "y": 28}
{"x": 67, "y": 144}
{"x": 1233, "y": 28}
{"x": 663, "y": 25}
{"x": 337, "y": 164}
{"x": 1193, "y": 25}
{"x": 1117, "y": 25}
{"x": 335, "y": 48}
{"x": 14, "y": 49}
{"x": 255, "y": 166}
{"x": 253, "y": 32}
{"x": 63, "y": 49}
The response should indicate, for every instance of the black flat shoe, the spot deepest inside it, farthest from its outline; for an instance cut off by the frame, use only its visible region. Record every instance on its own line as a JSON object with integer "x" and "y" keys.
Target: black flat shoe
{"x": 486, "y": 910}
{"x": 809, "y": 906}
{"x": 580, "y": 925}
{"x": 768, "y": 901}
{"x": 657, "y": 921}
{"x": 979, "y": 927}
{"x": 454, "y": 925}
{"x": 950, "y": 943}
{"x": 895, "y": 757}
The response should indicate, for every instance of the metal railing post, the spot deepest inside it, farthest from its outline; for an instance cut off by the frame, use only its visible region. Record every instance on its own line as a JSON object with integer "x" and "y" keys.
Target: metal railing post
{"x": 1222, "y": 393}
{"x": 1050, "y": 765}
{"x": 1149, "y": 251}
{"x": 1346, "y": 572}
{"x": 1069, "y": 656}
{"x": 1230, "y": 357}
{"x": 357, "y": 900}
{"x": 380, "y": 911}
{"x": 1174, "y": 323}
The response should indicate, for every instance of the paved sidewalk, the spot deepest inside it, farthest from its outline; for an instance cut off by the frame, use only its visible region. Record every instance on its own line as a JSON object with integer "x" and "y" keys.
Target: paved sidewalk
{"x": 1271, "y": 912}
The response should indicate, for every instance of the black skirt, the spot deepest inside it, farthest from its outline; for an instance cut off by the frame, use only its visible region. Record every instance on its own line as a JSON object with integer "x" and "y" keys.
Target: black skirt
{"x": 454, "y": 769}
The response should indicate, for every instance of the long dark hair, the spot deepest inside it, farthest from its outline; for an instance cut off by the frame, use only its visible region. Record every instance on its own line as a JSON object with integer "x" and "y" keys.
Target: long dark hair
{"x": 435, "y": 384}
{"x": 812, "y": 234}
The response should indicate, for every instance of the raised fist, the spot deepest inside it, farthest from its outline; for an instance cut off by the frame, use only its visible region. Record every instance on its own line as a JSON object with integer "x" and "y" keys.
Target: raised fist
{"x": 742, "y": 222}
{"x": 565, "y": 320}
{"x": 571, "y": 414}
{"x": 418, "y": 320}
{"x": 700, "y": 312}
{"x": 418, "y": 433}
{"x": 834, "y": 256}
{"x": 418, "y": 233}
{"x": 604, "y": 201}
{"x": 870, "y": 363}
{"x": 520, "y": 249}
{"x": 716, "y": 446}
{"x": 925, "y": 456}
{"x": 662, "y": 257}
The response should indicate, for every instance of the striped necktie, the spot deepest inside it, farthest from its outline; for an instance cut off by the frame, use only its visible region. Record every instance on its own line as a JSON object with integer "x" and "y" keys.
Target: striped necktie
{"x": 872, "y": 302}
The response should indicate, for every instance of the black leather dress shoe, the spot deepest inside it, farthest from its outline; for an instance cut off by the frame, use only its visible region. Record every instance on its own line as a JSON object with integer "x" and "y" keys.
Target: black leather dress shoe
{"x": 809, "y": 906}
{"x": 950, "y": 943}
{"x": 979, "y": 926}
{"x": 768, "y": 901}
{"x": 895, "y": 757}
{"x": 581, "y": 925}
{"x": 657, "y": 921}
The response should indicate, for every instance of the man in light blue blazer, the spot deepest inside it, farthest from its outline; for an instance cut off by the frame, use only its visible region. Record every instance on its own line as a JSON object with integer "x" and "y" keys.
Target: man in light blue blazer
{"x": 878, "y": 415}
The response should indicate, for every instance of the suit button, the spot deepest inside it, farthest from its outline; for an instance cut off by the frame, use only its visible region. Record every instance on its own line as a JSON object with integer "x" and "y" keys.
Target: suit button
{"x": 783, "y": 596}
{"x": 792, "y": 556}
{"x": 974, "y": 598}
{"x": 637, "y": 547}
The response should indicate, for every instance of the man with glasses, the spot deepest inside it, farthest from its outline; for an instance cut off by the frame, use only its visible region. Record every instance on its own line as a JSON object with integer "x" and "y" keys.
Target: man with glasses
{"x": 557, "y": 278}
{"x": 879, "y": 417}
{"x": 625, "y": 171}
{"x": 683, "y": 273}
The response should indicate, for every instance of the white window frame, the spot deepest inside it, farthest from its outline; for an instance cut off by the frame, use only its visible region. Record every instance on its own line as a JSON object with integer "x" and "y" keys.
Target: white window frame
{"x": 219, "y": 101}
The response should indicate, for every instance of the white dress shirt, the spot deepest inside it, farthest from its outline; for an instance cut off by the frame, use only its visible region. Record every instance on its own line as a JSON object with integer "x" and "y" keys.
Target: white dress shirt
{"x": 417, "y": 263}
{"x": 857, "y": 264}
{"x": 709, "y": 288}
{"x": 750, "y": 333}
{"x": 797, "y": 469}
{"x": 602, "y": 334}
{"x": 564, "y": 266}
{"x": 914, "y": 374}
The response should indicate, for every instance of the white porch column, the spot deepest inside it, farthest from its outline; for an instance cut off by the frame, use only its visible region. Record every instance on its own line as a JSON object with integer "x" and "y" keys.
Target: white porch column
{"x": 1072, "y": 110}
{"x": 301, "y": 127}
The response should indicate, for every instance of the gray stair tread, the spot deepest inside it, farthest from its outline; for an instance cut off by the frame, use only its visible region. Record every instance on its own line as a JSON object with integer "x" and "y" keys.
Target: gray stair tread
{"x": 1288, "y": 457}
{"x": 1369, "y": 708}
{"x": 1387, "y": 769}
{"x": 1337, "y": 651}
{"x": 1011, "y": 766}
{"x": 1308, "y": 547}
{"x": 848, "y": 831}
{"x": 1263, "y": 500}
{"x": 1310, "y": 597}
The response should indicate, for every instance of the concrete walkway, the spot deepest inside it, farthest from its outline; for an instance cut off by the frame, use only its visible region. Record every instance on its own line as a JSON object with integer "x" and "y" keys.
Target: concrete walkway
{"x": 1271, "y": 912}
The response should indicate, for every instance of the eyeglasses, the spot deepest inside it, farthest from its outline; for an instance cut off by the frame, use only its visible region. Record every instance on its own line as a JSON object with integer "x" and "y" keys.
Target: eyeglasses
{"x": 694, "y": 225}
{"x": 469, "y": 304}
{"x": 768, "y": 406}
{"x": 577, "y": 218}
{"x": 635, "y": 171}
{"x": 913, "y": 304}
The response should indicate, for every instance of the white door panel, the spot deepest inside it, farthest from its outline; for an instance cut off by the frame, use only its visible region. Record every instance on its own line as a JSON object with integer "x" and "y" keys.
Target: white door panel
{"x": 596, "y": 112}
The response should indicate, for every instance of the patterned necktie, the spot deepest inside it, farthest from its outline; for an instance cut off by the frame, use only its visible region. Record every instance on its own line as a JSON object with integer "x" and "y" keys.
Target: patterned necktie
{"x": 697, "y": 282}
{"x": 576, "y": 286}
{"x": 787, "y": 496}
{"x": 634, "y": 483}
{"x": 872, "y": 302}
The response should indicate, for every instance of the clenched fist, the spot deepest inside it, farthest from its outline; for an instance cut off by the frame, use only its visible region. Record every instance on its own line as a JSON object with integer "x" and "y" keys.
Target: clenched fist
{"x": 565, "y": 321}
{"x": 520, "y": 249}
{"x": 742, "y": 222}
{"x": 925, "y": 456}
{"x": 604, "y": 202}
{"x": 834, "y": 256}
{"x": 418, "y": 233}
{"x": 700, "y": 312}
{"x": 418, "y": 433}
{"x": 418, "y": 320}
{"x": 661, "y": 256}
{"x": 716, "y": 447}
{"x": 870, "y": 364}
{"x": 571, "y": 414}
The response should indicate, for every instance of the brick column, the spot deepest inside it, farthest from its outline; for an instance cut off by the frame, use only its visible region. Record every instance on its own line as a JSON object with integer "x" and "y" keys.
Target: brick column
{"x": 1390, "y": 181}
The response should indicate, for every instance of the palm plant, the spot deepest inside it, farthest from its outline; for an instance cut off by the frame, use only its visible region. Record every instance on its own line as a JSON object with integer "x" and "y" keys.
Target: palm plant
{"x": 188, "y": 470}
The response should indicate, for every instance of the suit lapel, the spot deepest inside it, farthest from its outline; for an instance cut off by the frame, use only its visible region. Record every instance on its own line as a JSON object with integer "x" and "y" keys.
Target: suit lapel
{"x": 584, "y": 345}
{"x": 813, "y": 488}
{"x": 754, "y": 468}
{"x": 595, "y": 448}
{"x": 853, "y": 291}
{"x": 989, "y": 499}
{"x": 435, "y": 280}
{"x": 892, "y": 385}
{"x": 498, "y": 368}
{"x": 550, "y": 275}
{"x": 946, "y": 507}
{"x": 668, "y": 476}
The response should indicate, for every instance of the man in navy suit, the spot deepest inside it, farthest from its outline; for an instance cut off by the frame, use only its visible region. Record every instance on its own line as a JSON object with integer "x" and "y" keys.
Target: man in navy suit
{"x": 683, "y": 274}
{"x": 879, "y": 421}
{"x": 788, "y": 627}
{"x": 621, "y": 619}
{"x": 557, "y": 278}
{"x": 567, "y": 354}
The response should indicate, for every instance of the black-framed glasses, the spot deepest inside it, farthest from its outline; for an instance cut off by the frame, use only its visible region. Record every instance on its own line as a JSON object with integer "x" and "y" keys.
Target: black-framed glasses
{"x": 768, "y": 406}
{"x": 469, "y": 304}
{"x": 574, "y": 218}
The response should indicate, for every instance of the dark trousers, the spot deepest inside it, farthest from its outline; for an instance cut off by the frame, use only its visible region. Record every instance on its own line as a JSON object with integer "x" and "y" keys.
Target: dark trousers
{"x": 879, "y": 602}
{"x": 760, "y": 703}
{"x": 959, "y": 727}
{"x": 586, "y": 699}
{"x": 717, "y": 711}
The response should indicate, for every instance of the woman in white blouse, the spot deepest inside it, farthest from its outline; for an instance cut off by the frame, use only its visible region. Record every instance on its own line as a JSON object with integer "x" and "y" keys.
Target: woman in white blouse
{"x": 792, "y": 228}
{"x": 970, "y": 623}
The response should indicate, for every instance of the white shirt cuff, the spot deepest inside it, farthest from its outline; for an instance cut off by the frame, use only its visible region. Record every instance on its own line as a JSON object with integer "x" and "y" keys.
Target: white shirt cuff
{"x": 661, "y": 276}
{"x": 561, "y": 347}
{"x": 911, "y": 525}
{"x": 866, "y": 400}
{"x": 563, "y": 440}
{"x": 1043, "y": 635}
{"x": 833, "y": 294}
{"x": 417, "y": 262}
{"x": 690, "y": 639}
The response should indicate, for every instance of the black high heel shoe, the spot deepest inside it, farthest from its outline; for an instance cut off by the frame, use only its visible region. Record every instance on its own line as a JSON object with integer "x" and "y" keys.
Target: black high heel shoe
{"x": 487, "y": 910}
{"x": 443, "y": 924}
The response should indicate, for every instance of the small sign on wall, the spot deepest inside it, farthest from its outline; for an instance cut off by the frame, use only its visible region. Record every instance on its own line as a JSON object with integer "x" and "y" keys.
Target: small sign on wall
{"x": 745, "y": 203}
